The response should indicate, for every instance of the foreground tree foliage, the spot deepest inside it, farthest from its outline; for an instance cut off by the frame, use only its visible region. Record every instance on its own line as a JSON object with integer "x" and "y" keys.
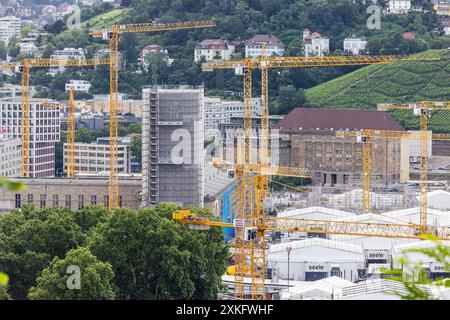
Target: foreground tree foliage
{"x": 154, "y": 257}
{"x": 122, "y": 255}
{"x": 95, "y": 279}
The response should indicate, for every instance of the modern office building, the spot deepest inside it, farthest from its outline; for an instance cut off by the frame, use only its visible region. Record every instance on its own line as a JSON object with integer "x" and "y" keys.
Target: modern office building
{"x": 219, "y": 111}
{"x": 94, "y": 157}
{"x": 44, "y": 132}
{"x": 172, "y": 145}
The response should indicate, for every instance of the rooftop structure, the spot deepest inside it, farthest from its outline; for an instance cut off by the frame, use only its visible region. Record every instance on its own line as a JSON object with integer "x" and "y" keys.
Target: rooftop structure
{"x": 261, "y": 44}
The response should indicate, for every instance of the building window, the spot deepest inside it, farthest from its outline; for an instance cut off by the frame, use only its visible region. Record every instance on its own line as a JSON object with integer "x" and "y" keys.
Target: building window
{"x": 106, "y": 200}
{"x": 55, "y": 200}
{"x": 42, "y": 200}
{"x": 30, "y": 198}
{"x": 68, "y": 201}
{"x": 18, "y": 202}
{"x": 80, "y": 201}
{"x": 93, "y": 199}
{"x": 120, "y": 201}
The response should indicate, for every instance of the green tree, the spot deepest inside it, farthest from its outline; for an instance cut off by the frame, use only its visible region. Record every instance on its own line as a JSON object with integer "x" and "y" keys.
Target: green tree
{"x": 154, "y": 257}
{"x": 84, "y": 135}
{"x": 290, "y": 98}
{"x": 31, "y": 239}
{"x": 95, "y": 279}
{"x": 136, "y": 148}
{"x": 414, "y": 277}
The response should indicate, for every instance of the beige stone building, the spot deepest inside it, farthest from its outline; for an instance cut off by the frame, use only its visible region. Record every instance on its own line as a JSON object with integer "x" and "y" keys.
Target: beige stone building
{"x": 73, "y": 193}
{"x": 308, "y": 140}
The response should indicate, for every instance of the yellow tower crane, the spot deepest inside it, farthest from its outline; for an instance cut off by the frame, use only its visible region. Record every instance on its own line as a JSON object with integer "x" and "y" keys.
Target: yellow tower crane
{"x": 366, "y": 137}
{"x": 112, "y": 35}
{"x": 25, "y": 68}
{"x": 70, "y": 132}
{"x": 423, "y": 110}
{"x": 250, "y": 191}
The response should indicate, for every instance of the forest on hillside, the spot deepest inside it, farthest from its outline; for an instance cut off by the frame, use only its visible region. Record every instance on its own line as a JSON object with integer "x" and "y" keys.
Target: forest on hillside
{"x": 236, "y": 20}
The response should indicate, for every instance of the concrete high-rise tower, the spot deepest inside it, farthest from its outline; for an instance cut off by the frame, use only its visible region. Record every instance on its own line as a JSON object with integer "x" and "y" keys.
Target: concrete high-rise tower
{"x": 172, "y": 145}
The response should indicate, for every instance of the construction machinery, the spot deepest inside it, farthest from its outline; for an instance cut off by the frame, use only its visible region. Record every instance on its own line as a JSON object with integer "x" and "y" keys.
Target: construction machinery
{"x": 25, "y": 68}
{"x": 70, "y": 131}
{"x": 423, "y": 110}
{"x": 251, "y": 189}
{"x": 366, "y": 137}
{"x": 112, "y": 35}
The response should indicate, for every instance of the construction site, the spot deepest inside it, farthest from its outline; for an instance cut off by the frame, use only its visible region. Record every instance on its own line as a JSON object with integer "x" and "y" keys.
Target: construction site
{"x": 370, "y": 189}
{"x": 336, "y": 238}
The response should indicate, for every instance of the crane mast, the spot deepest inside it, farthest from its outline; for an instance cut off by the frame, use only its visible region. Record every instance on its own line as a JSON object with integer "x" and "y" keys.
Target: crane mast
{"x": 112, "y": 35}
{"x": 250, "y": 243}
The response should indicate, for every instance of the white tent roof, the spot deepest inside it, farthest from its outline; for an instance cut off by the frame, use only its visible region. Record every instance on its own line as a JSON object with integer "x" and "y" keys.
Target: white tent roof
{"x": 371, "y": 217}
{"x": 438, "y": 199}
{"x": 317, "y": 213}
{"x": 332, "y": 250}
{"x": 328, "y": 286}
{"x": 412, "y": 215}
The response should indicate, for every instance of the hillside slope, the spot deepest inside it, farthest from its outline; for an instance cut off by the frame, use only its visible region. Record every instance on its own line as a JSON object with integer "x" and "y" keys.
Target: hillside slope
{"x": 402, "y": 82}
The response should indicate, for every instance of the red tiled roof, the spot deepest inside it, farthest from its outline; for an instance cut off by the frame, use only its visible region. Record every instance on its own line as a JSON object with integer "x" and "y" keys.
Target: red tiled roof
{"x": 309, "y": 119}
{"x": 217, "y": 44}
{"x": 269, "y": 39}
{"x": 313, "y": 36}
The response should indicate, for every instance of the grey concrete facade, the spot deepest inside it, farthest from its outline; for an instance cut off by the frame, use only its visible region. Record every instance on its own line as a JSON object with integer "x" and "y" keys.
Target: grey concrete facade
{"x": 172, "y": 145}
{"x": 73, "y": 193}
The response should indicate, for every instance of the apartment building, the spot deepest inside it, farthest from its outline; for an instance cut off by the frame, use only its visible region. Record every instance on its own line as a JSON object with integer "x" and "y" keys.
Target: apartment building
{"x": 355, "y": 45}
{"x": 9, "y": 27}
{"x": 315, "y": 44}
{"x": 94, "y": 157}
{"x": 221, "y": 111}
{"x": 214, "y": 49}
{"x": 308, "y": 140}
{"x": 172, "y": 145}
{"x": 78, "y": 85}
{"x": 398, "y": 6}
{"x": 66, "y": 54}
{"x": 44, "y": 132}
{"x": 10, "y": 155}
{"x": 263, "y": 44}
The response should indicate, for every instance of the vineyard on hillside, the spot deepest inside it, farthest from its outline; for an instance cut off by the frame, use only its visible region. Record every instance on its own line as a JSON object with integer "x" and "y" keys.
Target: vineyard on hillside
{"x": 402, "y": 82}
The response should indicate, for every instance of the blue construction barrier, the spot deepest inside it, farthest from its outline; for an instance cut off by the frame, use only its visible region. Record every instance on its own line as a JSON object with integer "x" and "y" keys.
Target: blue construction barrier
{"x": 227, "y": 212}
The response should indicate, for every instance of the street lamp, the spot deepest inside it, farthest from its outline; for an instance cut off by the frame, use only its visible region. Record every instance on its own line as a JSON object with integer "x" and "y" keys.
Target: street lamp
{"x": 288, "y": 249}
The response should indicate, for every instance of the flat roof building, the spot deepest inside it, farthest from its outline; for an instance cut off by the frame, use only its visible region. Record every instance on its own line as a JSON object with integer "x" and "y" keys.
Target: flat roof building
{"x": 172, "y": 145}
{"x": 72, "y": 193}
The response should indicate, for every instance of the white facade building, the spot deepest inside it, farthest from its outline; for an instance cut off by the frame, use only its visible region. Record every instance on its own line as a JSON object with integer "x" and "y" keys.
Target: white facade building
{"x": 355, "y": 44}
{"x": 44, "y": 132}
{"x": 315, "y": 44}
{"x": 153, "y": 48}
{"x": 314, "y": 259}
{"x": 214, "y": 49}
{"x": 10, "y": 155}
{"x": 94, "y": 157}
{"x": 219, "y": 111}
{"x": 262, "y": 44}
{"x": 398, "y": 6}
{"x": 9, "y": 27}
{"x": 78, "y": 85}
{"x": 66, "y": 54}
